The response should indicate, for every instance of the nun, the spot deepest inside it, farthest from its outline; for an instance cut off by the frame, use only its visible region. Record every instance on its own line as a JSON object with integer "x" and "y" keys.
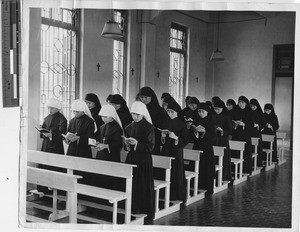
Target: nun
{"x": 120, "y": 105}
{"x": 270, "y": 127}
{"x": 258, "y": 123}
{"x": 158, "y": 115}
{"x": 174, "y": 140}
{"x": 108, "y": 147}
{"x": 81, "y": 128}
{"x": 56, "y": 124}
{"x": 204, "y": 137}
{"x": 110, "y": 136}
{"x": 230, "y": 105}
{"x": 94, "y": 106}
{"x": 140, "y": 141}
{"x": 224, "y": 130}
{"x": 242, "y": 126}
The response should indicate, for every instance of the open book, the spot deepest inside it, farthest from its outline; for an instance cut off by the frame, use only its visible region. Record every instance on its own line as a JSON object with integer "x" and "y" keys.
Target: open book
{"x": 92, "y": 142}
{"x": 164, "y": 130}
{"x": 68, "y": 136}
{"x": 42, "y": 130}
{"x": 129, "y": 140}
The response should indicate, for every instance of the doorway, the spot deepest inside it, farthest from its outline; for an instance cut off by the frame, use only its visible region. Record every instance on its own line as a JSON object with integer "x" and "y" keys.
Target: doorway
{"x": 283, "y": 87}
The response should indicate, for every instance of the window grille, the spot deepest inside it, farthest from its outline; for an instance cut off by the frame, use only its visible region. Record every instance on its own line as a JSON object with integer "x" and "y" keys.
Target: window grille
{"x": 178, "y": 51}
{"x": 119, "y": 56}
{"x": 58, "y": 59}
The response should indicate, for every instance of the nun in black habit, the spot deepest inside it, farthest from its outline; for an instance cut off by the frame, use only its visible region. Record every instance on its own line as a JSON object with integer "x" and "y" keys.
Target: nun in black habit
{"x": 258, "y": 123}
{"x": 231, "y": 106}
{"x": 94, "y": 106}
{"x": 110, "y": 136}
{"x": 224, "y": 130}
{"x": 204, "y": 137}
{"x": 270, "y": 127}
{"x": 109, "y": 145}
{"x": 157, "y": 114}
{"x": 80, "y": 129}
{"x": 242, "y": 126}
{"x": 56, "y": 123}
{"x": 120, "y": 105}
{"x": 140, "y": 139}
{"x": 173, "y": 143}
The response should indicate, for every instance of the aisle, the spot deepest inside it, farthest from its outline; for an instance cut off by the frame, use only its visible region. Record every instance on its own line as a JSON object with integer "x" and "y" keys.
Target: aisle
{"x": 263, "y": 201}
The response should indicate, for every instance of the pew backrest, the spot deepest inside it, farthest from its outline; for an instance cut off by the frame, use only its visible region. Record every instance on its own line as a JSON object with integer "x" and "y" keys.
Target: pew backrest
{"x": 218, "y": 150}
{"x": 81, "y": 164}
{"x": 254, "y": 141}
{"x": 237, "y": 145}
{"x": 193, "y": 155}
{"x": 162, "y": 161}
{"x": 49, "y": 178}
{"x": 267, "y": 138}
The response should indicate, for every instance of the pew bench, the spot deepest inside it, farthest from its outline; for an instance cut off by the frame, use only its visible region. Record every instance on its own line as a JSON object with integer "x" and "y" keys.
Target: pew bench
{"x": 239, "y": 176}
{"x": 49, "y": 178}
{"x": 269, "y": 164}
{"x": 197, "y": 194}
{"x": 164, "y": 163}
{"x": 281, "y": 136}
{"x": 113, "y": 197}
{"x": 219, "y": 185}
{"x": 256, "y": 170}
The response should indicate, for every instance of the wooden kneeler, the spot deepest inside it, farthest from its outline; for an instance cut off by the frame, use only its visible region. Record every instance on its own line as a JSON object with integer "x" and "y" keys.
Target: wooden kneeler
{"x": 256, "y": 170}
{"x": 269, "y": 164}
{"x": 239, "y": 176}
{"x": 197, "y": 194}
{"x": 220, "y": 185}
{"x": 165, "y": 163}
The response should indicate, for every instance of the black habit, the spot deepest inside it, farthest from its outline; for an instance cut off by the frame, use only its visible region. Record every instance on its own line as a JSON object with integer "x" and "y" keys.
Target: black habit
{"x": 172, "y": 149}
{"x": 143, "y": 196}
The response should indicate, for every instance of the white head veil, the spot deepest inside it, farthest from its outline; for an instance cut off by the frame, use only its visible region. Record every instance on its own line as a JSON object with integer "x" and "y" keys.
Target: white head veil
{"x": 110, "y": 111}
{"x": 139, "y": 107}
{"x": 80, "y": 105}
{"x": 53, "y": 102}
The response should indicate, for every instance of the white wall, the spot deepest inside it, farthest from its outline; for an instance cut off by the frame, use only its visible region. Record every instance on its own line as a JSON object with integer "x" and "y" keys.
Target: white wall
{"x": 248, "y": 50}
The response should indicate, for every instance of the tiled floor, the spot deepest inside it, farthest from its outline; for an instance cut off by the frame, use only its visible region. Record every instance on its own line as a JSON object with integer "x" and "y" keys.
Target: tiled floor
{"x": 264, "y": 200}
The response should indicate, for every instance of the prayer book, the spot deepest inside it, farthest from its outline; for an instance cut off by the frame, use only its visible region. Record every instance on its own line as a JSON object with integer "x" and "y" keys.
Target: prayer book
{"x": 42, "y": 130}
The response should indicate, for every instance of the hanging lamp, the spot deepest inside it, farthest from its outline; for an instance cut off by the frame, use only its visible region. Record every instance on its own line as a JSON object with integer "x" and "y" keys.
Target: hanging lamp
{"x": 112, "y": 29}
{"x": 217, "y": 55}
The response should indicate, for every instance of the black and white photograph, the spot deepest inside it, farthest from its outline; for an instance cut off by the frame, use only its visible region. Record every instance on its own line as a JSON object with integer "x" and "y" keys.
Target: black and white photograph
{"x": 150, "y": 115}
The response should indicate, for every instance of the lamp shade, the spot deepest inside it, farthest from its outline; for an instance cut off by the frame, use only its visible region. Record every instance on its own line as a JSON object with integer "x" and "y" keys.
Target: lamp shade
{"x": 112, "y": 30}
{"x": 217, "y": 56}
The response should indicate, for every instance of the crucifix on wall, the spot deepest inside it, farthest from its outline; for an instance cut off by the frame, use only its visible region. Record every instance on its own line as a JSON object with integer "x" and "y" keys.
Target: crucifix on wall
{"x": 98, "y": 67}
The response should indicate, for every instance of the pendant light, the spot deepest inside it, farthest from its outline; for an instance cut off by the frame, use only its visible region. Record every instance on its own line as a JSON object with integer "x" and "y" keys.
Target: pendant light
{"x": 112, "y": 29}
{"x": 217, "y": 54}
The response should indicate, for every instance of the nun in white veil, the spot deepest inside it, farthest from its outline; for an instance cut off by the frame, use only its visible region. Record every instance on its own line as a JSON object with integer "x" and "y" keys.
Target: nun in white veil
{"x": 110, "y": 136}
{"x": 80, "y": 129}
{"x": 140, "y": 139}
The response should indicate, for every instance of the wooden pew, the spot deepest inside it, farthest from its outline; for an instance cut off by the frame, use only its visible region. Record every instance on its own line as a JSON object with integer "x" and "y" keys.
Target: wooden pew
{"x": 256, "y": 170}
{"x": 280, "y": 150}
{"x": 239, "y": 176}
{"x": 269, "y": 151}
{"x": 165, "y": 163}
{"x": 99, "y": 167}
{"x": 49, "y": 178}
{"x": 220, "y": 185}
{"x": 198, "y": 194}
